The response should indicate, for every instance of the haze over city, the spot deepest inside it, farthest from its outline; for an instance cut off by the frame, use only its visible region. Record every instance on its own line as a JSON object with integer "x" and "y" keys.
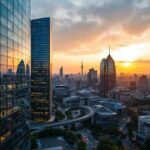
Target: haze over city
{"x": 83, "y": 30}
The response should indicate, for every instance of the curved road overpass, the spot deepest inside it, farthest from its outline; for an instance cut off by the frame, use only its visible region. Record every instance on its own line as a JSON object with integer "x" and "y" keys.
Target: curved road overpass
{"x": 39, "y": 127}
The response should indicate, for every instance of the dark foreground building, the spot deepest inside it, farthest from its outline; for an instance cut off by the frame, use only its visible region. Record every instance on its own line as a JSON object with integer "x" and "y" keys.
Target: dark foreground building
{"x": 14, "y": 74}
{"x": 107, "y": 75}
{"x": 41, "y": 73}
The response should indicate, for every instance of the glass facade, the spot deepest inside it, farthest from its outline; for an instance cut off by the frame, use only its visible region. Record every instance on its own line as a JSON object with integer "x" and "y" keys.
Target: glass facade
{"x": 14, "y": 74}
{"x": 41, "y": 91}
{"x": 103, "y": 77}
{"x": 107, "y": 75}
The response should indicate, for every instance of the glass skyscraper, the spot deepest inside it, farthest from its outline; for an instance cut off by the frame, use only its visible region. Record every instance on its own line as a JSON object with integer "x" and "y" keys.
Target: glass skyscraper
{"x": 107, "y": 75}
{"x": 14, "y": 74}
{"x": 41, "y": 73}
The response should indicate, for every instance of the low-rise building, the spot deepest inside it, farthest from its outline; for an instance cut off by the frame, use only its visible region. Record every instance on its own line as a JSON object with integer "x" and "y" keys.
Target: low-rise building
{"x": 61, "y": 91}
{"x": 104, "y": 115}
{"x": 143, "y": 127}
{"x": 113, "y": 105}
{"x": 74, "y": 101}
{"x": 85, "y": 93}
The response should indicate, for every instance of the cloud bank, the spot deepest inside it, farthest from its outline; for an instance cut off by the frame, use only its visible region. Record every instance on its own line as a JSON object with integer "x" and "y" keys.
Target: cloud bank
{"x": 83, "y": 27}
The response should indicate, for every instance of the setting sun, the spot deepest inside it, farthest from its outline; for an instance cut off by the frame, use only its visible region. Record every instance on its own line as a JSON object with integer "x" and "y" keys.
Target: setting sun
{"x": 126, "y": 64}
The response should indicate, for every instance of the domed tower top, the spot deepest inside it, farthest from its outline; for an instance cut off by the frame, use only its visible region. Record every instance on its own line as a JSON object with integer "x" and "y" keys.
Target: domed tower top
{"x": 109, "y": 57}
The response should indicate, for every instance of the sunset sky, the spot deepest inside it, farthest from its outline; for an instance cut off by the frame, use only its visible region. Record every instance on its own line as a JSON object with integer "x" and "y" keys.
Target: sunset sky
{"x": 83, "y": 30}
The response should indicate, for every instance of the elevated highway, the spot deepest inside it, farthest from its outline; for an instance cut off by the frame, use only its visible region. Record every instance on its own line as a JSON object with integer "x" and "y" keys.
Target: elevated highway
{"x": 41, "y": 126}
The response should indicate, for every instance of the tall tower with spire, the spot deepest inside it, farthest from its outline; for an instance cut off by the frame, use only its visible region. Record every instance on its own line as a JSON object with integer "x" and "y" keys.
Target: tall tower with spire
{"x": 107, "y": 75}
{"x": 82, "y": 68}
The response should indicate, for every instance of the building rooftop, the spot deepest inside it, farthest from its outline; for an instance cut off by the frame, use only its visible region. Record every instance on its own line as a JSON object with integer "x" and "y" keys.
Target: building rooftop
{"x": 54, "y": 143}
{"x": 61, "y": 86}
{"x": 84, "y": 91}
{"x": 72, "y": 98}
{"x": 116, "y": 105}
{"x": 145, "y": 119}
{"x": 146, "y": 112}
{"x": 99, "y": 106}
{"x": 105, "y": 112}
{"x": 111, "y": 103}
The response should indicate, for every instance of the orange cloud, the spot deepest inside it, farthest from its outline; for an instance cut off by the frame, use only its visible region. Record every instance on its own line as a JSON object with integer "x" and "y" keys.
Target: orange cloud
{"x": 83, "y": 30}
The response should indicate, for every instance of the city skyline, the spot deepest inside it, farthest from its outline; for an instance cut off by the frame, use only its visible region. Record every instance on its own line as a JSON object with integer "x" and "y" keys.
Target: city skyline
{"x": 89, "y": 27}
{"x": 96, "y": 96}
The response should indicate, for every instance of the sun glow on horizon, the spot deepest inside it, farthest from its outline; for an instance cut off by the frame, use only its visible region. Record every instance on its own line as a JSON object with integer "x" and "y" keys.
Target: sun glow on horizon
{"x": 126, "y": 64}
{"x": 126, "y": 58}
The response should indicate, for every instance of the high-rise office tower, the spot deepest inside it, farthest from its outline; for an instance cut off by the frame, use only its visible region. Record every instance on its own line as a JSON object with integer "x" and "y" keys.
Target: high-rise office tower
{"x": 92, "y": 77}
{"x": 107, "y": 75}
{"x": 61, "y": 73}
{"x": 82, "y": 68}
{"x": 41, "y": 72}
{"x": 143, "y": 83}
{"x": 103, "y": 77}
{"x": 14, "y": 74}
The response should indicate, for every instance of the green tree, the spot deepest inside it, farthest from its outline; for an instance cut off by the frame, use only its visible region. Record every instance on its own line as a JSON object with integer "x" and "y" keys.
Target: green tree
{"x": 105, "y": 144}
{"x": 146, "y": 145}
{"x": 34, "y": 142}
{"x": 117, "y": 148}
{"x": 66, "y": 127}
{"x": 73, "y": 127}
{"x": 69, "y": 115}
{"x": 81, "y": 145}
{"x": 79, "y": 136}
{"x": 59, "y": 116}
{"x": 113, "y": 130}
{"x": 70, "y": 137}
